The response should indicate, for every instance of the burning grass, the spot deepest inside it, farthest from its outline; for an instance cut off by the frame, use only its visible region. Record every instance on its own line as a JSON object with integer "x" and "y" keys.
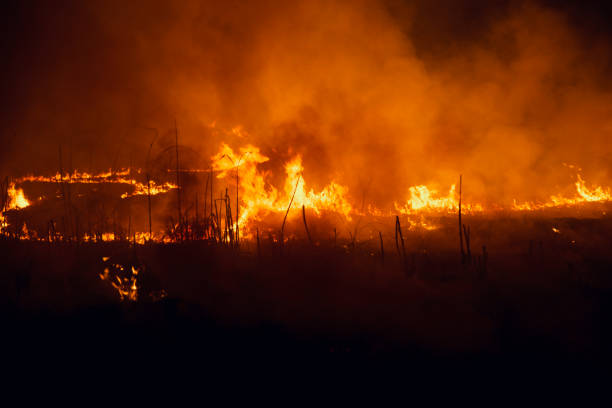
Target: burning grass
{"x": 242, "y": 200}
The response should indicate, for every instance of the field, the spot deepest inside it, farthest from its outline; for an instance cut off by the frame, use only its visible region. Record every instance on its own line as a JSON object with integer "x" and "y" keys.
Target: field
{"x": 536, "y": 296}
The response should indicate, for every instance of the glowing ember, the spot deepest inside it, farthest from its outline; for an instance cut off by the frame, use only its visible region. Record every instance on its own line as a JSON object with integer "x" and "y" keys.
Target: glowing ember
{"x": 125, "y": 283}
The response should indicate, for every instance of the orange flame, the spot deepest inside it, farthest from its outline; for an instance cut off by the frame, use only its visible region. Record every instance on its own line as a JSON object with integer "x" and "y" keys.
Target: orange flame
{"x": 583, "y": 195}
{"x": 258, "y": 197}
{"x": 110, "y": 177}
{"x": 16, "y": 198}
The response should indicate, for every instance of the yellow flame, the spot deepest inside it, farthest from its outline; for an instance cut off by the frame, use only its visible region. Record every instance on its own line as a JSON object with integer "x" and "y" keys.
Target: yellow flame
{"x": 258, "y": 197}
{"x": 424, "y": 199}
{"x": 16, "y": 198}
{"x": 583, "y": 195}
{"x": 107, "y": 177}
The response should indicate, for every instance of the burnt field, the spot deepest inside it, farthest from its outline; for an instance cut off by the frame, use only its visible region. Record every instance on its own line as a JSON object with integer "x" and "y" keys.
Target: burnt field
{"x": 533, "y": 296}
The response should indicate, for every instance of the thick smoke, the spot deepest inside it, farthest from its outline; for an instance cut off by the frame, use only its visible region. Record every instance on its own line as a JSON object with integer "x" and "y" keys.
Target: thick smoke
{"x": 378, "y": 95}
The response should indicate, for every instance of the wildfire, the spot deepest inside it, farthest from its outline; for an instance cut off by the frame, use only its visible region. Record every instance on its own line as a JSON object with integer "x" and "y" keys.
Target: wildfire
{"x": 151, "y": 188}
{"x": 258, "y": 197}
{"x": 76, "y": 176}
{"x": 13, "y": 199}
{"x": 109, "y": 177}
{"x": 424, "y": 199}
{"x": 16, "y": 198}
{"x": 583, "y": 195}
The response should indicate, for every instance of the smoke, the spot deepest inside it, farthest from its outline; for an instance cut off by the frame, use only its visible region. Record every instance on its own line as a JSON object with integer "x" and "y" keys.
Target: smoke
{"x": 377, "y": 95}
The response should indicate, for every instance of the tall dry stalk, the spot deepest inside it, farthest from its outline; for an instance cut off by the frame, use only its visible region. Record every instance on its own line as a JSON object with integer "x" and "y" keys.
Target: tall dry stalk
{"x": 178, "y": 182}
{"x": 305, "y": 224}
{"x": 237, "y": 210}
{"x": 398, "y": 234}
{"x": 258, "y": 245}
{"x": 288, "y": 208}
{"x": 460, "y": 224}
{"x": 466, "y": 234}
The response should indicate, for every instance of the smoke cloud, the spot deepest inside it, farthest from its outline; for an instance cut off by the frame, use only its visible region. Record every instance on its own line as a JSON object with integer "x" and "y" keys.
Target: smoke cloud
{"x": 377, "y": 95}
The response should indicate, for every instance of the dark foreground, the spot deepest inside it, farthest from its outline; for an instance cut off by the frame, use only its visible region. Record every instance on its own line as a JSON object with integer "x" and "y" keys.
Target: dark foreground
{"x": 540, "y": 308}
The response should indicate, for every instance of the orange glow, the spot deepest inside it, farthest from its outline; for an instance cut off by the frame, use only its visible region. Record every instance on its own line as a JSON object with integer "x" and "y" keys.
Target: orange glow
{"x": 126, "y": 287}
{"x": 258, "y": 197}
{"x": 583, "y": 195}
{"x": 110, "y": 177}
{"x": 16, "y": 198}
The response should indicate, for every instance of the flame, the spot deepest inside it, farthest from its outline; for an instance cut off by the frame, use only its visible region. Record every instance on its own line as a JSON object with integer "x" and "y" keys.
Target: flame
{"x": 424, "y": 199}
{"x": 108, "y": 177}
{"x": 591, "y": 195}
{"x": 151, "y": 188}
{"x": 258, "y": 197}
{"x": 16, "y": 198}
{"x": 584, "y": 194}
{"x": 76, "y": 176}
{"x": 331, "y": 198}
{"x": 126, "y": 287}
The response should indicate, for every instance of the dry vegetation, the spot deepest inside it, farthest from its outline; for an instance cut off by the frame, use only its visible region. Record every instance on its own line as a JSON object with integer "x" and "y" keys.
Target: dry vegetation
{"x": 526, "y": 293}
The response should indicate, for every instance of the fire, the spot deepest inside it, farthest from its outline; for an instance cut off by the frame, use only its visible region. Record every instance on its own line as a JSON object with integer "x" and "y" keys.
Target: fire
{"x": 584, "y": 194}
{"x": 151, "y": 188}
{"x": 76, "y": 176}
{"x": 16, "y": 198}
{"x": 424, "y": 199}
{"x": 126, "y": 285}
{"x": 331, "y": 198}
{"x": 591, "y": 195}
{"x": 257, "y": 197}
{"x": 122, "y": 176}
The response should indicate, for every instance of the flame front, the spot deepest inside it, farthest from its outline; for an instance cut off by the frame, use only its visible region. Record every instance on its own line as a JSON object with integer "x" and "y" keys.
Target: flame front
{"x": 110, "y": 177}
{"x": 584, "y": 194}
{"x": 258, "y": 197}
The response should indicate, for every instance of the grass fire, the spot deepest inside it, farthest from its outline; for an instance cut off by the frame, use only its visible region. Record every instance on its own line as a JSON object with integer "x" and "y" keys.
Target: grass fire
{"x": 371, "y": 182}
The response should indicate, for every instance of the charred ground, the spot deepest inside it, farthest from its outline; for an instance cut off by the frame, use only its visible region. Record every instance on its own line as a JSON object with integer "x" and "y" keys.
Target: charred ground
{"x": 540, "y": 298}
